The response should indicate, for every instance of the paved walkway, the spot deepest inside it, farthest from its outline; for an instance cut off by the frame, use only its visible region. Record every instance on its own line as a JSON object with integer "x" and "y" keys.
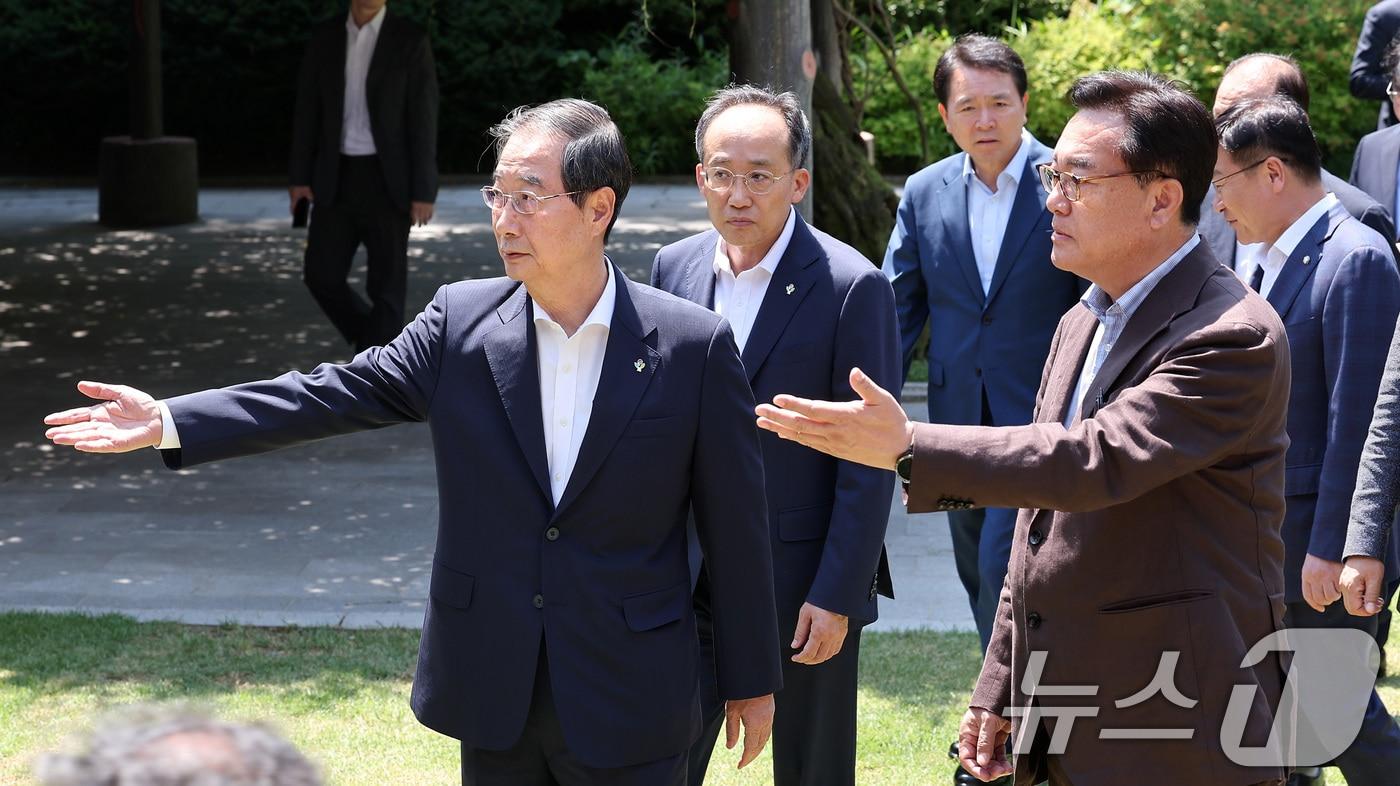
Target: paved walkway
{"x": 336, "y": 533}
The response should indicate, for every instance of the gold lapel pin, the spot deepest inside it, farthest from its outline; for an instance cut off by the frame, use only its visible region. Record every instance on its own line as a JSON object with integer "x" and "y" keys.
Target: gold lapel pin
{"x": 640, "y": 365}
{"x": 791, "y": 288}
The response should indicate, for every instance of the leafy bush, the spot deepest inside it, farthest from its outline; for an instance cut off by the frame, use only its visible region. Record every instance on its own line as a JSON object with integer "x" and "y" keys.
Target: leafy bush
{"x": 655, "y": 102}
{"x": 1189, "y": 40}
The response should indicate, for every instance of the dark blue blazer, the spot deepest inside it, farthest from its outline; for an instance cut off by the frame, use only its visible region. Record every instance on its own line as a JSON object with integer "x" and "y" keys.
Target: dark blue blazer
{"x": 826, "y": 310}
{"x": 994, "y": 344}
{"x": 1373, "y": 165}
{"x": 1338, "y": 295}
{"x": 1220, "y": 236}
{"x": 603, "y": 577}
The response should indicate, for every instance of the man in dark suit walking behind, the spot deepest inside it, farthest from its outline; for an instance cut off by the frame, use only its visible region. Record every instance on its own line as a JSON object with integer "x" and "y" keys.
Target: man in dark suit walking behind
{"x": 577, "y": 419}
{"x": 970, "y": 257}
{"x": 1332, "y": 281}
{"x": 805, "y": 309}
{"x": 364, "y": 152}
{"x": 1375, "y": 166}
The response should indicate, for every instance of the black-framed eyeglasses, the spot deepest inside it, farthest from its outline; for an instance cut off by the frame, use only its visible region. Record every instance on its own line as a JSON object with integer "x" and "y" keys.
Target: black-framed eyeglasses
{"x": 1220, "y": 180}
{"x": 757, "y": 181}
{"x": 524, "y": 202}
{"x": 1069, "y": 185}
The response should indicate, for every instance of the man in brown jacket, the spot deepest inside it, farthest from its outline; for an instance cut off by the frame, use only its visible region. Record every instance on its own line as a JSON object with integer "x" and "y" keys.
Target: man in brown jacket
{"x": 1147, "y": 559}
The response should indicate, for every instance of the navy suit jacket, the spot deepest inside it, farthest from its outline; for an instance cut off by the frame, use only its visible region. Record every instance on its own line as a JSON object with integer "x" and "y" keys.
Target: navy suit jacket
{"x": 993, "y": 344}
{"x": 602, "y": 577}
{"x": 1368, "y": 72}
{"x": 1338, "y": 295}
{"x": 1219, "y": 235}
{"x": 827, "y": 309}
{"x": 1373, "y": 166}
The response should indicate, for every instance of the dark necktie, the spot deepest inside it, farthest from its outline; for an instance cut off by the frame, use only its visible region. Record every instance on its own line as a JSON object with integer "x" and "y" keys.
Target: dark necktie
{"x": 1256, "y": 280}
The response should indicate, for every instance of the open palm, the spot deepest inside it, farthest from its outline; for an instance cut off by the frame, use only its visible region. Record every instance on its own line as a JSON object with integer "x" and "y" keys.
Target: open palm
{"x": 128, "y": 419}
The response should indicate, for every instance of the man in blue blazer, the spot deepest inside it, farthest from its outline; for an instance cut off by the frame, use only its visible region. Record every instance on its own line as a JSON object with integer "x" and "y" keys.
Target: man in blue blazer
{"x": 577, "y": 419}
{"x": 805, "y": 309}
{"x": 1260, "y": 75}
{"x": 1336, "y": 289}
{"x": 1369, "y": 77}
{"x": 970, "y": 258}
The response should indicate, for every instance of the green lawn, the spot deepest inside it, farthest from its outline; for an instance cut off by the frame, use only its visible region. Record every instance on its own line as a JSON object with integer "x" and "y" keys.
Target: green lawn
{"x": 342, "y": 696}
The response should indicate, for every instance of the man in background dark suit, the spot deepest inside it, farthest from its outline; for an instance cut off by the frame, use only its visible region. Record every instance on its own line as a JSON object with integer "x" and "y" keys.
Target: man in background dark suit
{"x": 1375, "y": 167}
{"x": 805, "y": 309}
{"x": 577, "y": 419}
{"x": 1370, "y": 77}
{"x": 364, "y": 152}
{"x": 1333, "y": 283}
{"x": 1261, "y": 75}
{"x": 970, "y": 257}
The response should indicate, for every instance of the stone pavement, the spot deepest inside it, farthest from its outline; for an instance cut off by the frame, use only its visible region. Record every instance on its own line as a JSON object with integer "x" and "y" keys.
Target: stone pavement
{"x": 335, "y": 533}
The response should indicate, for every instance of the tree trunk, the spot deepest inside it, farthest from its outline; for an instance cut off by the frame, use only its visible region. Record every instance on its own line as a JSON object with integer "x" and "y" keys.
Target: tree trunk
{"x": 853, "y": 202}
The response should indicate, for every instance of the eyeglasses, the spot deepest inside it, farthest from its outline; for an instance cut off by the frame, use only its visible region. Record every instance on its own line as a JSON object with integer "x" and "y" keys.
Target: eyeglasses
{"x": 1220, "y": 180}
{"x": 759, "y": 181}
{"x": 524, "y": 202}
{"x": 1390, "y": 90}
{"x": 1069, "y": 185}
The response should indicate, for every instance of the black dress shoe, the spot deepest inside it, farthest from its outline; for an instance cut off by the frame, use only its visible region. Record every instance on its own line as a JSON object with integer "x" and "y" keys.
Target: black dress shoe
{"x": 1307, "y": 776}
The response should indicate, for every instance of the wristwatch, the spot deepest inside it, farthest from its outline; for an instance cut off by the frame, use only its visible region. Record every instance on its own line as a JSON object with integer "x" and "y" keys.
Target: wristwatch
{"x": 904, "y": 466}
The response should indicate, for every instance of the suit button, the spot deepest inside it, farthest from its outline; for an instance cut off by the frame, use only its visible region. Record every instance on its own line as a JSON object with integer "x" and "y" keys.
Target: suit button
{"x": 1032, "y": 620}
{"x": 539, "y": 601}
{"x": 1036, "y": 538}
{"x": 986, "y": 319}
{"x": 977, "y": 371}
{"x": 552, "y": 533}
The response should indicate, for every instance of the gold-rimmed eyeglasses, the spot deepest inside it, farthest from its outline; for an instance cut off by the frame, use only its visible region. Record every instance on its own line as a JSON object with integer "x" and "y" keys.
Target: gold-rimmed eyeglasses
{"x": 757, "y": 181}
{"x": 524, "y": 202}
{"x": 1069, "y": 185}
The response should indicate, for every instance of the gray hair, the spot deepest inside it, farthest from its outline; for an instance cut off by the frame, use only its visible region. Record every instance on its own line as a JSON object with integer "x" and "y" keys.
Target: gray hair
{"x": 787, "y": 104}
{"x": 178, "y": 746}
{"x": 595, "y": 154}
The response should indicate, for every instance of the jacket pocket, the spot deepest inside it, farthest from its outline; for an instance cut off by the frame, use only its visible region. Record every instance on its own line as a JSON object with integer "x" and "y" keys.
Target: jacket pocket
{"x": 451, "y": 587}
{"x": 652, "y": 427}
{"x": 807, "y": 523}
{"x": 651, "y": 610}
{"x": 1156, "y": 601}
{"x": 1302, "y": 479}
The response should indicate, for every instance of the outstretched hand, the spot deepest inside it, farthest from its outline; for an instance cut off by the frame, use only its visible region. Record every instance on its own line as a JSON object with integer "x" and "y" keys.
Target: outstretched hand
{"x": 873, "y": 431}
{"x": 128, "y": 419}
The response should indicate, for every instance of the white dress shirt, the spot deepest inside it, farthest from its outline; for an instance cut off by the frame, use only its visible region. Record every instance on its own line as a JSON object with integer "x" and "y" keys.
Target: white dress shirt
{"x": 569, "y": 369}
{"x": 1113, "y": 316}
{"x": 737, "y": 298}
{"x": 1277, "y": 255}
{"x": 356, "y": 138}
{"x": 989, "y": 212}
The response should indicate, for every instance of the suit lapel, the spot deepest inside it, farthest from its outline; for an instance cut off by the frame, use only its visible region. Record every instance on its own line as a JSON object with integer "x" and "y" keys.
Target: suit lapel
{"x": 1174, "y": 294}
{"x": 1301, "y": 264}
{"x": 1389, "y": 159}
{"x": 1025, "y": 215}
{"x": 952, "y": 202}
{"x": 1068, "y": 361}
{"x": 700, "y": 274}
{"x": 792, "y": 280}
{"x": 511, "y": 352}
{"x": 382, "y": 55}
{"x": 631, "y": 338}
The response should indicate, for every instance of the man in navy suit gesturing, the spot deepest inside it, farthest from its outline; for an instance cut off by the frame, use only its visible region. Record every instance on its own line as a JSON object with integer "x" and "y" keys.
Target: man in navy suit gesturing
{"x": 578, "y": 418}
{"x": 805, "y": 308}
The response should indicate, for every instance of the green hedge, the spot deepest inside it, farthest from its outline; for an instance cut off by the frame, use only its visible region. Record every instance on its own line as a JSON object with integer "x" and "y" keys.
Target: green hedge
{"x": 1190, "y": 40}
